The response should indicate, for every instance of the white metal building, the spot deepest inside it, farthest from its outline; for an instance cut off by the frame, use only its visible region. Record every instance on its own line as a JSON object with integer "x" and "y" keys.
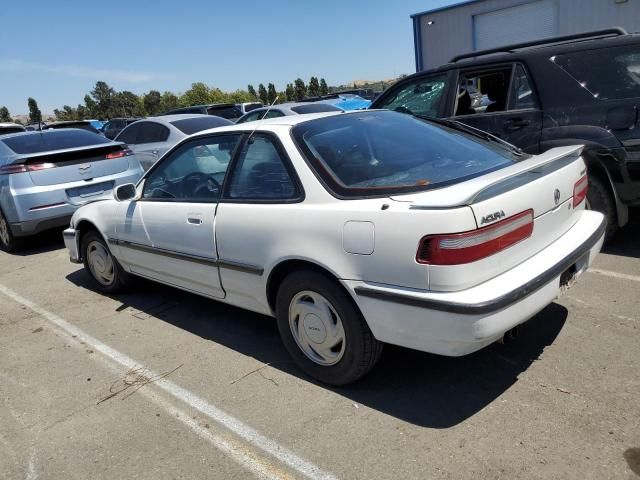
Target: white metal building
{"x": 480, "y": 24}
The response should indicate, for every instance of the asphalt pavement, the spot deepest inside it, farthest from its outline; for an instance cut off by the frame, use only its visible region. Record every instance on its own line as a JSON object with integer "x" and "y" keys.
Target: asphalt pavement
{"x": 161, "y": 384}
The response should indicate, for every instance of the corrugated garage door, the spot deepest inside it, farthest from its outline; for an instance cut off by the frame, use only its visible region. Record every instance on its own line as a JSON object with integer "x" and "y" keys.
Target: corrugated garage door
{"x": 521, "y": 23}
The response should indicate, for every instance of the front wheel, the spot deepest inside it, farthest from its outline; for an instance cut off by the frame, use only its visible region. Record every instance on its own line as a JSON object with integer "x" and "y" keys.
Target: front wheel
{"x": 323, "y": 330}
{"x": 600, "y": 199}
{"x": 105, "y": 271}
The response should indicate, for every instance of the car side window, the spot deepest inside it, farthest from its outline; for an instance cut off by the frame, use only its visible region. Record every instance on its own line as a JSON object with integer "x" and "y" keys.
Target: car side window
{"x": 251, "y": 117}
{"x": 194, "y": 172}
{"x": 151, "y": 132}
{"x": 260, "y": 173}
{"x": 483, "y": 91}
{"x": 129, "y": 134}
{"x": 522, "y": 95}
{"x": 423, "y": 96}
{"x": 274, "y": 113}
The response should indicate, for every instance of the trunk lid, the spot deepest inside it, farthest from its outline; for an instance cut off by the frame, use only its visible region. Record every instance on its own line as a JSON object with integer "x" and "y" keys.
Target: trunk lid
{"x": 543, "y": 183}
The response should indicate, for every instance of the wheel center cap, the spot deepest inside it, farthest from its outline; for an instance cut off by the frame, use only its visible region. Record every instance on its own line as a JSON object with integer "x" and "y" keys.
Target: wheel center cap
{"x": 99, "y": 263}
{"x": 314, "y": 328}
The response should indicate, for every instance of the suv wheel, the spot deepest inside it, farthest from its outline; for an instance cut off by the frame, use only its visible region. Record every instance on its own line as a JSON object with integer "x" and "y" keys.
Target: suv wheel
{"x": 323, "y": 330}
{"x": 599, "y": 199}
{"x": 8, "y": 242}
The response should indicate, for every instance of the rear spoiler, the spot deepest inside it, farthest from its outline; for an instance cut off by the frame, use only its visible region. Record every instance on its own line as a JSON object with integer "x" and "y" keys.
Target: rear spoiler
{"x": 495, "y": 183}
{"x": 70, "y": 154}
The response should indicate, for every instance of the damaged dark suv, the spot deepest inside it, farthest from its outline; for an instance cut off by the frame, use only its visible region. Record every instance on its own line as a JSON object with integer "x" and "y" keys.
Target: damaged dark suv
{"x": 578, "y": 89}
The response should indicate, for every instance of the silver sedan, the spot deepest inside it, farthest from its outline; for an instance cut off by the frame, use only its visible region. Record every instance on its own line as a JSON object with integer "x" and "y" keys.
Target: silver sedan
{"x": 284, "y": 109}
{"x": 152, "y": 137}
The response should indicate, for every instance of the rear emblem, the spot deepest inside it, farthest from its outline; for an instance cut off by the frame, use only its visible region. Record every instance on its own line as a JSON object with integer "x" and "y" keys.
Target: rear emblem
{"x": 556, "y": 196}
{"x": 84, "y": 167}
{"x": 492, "y": 217}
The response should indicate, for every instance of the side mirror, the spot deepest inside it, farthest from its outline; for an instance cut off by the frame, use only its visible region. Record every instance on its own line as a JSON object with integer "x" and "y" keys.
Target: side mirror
{"x": 125, "y": 192}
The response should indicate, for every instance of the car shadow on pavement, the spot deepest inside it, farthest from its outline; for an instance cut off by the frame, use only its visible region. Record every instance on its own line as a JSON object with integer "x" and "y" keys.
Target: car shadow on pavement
{"x": 420, "y": 388}
{"x": 44, "y": 242}
{"x": 626, "y": 243}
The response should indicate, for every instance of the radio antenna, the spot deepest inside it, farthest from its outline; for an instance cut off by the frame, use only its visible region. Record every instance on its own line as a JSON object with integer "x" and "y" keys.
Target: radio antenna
{"x": 259, "y": 121}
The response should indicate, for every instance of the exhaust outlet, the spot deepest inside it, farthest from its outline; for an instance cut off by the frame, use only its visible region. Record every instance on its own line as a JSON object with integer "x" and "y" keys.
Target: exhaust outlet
{"x": 510, "y": 335}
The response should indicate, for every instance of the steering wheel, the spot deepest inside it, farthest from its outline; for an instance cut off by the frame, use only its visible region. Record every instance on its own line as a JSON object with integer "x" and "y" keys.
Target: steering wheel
{"x": 200, "y": 185}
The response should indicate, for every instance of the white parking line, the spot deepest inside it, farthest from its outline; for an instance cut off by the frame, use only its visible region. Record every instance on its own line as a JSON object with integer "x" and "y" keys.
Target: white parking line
{"x": 259, "y": 467}
{"x": 609, "y": 273}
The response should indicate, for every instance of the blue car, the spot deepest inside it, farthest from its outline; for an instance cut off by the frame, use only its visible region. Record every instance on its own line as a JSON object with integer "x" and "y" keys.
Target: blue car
{"x": 348, "y": 102}
{"x": 45, "y": 176}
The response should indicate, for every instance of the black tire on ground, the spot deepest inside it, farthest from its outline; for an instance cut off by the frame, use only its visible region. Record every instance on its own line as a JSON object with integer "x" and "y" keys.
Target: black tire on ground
{"x": 362, "y": 350}
{"x": 599, "y": 198}
{"x": 8, "y": 242}
{"x": 120, "y": 281}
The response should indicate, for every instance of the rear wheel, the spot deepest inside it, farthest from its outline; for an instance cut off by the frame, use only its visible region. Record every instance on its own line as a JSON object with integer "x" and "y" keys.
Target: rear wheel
{"x": 323, "y": 330}
{"x": 104, "y": 269}
{"x": 599, "y": 198}
{"x": 8, "y": 242}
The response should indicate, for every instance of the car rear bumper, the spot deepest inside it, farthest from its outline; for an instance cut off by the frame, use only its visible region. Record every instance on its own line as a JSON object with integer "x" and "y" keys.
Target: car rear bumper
{"x": 459, "y": 323}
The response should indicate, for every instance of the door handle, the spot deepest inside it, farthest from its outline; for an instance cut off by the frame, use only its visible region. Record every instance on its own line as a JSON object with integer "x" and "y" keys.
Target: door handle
{"x": 516, "y": 124}
{"x": 194, "y": 221}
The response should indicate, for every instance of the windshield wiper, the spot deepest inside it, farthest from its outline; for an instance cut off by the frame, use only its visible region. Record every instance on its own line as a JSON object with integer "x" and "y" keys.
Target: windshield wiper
{"x": 472, "y": 131}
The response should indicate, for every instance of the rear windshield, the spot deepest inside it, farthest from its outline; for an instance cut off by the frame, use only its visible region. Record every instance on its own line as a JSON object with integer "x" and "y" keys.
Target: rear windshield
{"x": 84, "y": 126}
{"x": 51, "y": 140}
{"x": 383, "y": 152}
{"x": 608, "y": 74}
{"x": 193, "y": 125}
{"x": 230, "y": 112}
{"x": 7, "y": 130}
{"x": 315, "y": 108}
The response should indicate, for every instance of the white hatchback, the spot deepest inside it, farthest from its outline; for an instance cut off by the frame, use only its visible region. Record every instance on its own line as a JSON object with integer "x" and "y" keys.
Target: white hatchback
{"x": 353, "y": 230}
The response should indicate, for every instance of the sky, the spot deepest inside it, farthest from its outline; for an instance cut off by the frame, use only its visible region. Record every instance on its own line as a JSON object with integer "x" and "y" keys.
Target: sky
{"x": 55, "y": 51}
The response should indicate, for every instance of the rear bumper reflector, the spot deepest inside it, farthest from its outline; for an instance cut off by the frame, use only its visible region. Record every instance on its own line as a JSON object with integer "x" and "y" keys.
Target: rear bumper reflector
{"x": 44, "y": 207}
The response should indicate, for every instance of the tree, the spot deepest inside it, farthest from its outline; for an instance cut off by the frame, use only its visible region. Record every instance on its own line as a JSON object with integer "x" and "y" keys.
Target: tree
{"x": 314, "y": 87}
{"x": 168, "y": 102}
{"x": 126, "y": 104}
{"x": 152, "y": 102}
{"x": 290, "y": 92}
{"x": 262, "y": 93}
{"x": 91, "y": 107}
{"x": 324, "y": 89}
{"x": 81, "y": 112}
{"x": 35, "y": 115}
{"x": 282, "y": 97}
{"x": 300, "y": 90}
{"x": 252, "y": 92}
{"x": 198, "y": 94}
{"x": 4, "y": 115}
{"x": 103, "y": 95}
{"x": 271, "y": 93}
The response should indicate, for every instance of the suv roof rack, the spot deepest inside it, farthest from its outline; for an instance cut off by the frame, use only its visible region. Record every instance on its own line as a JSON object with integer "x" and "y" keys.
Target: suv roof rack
{"x": 615, "y": 31}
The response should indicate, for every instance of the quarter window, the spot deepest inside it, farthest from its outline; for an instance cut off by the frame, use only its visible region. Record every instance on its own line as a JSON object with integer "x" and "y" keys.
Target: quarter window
{"x": 260, "y": 173}
{"x": 192, "y": 173}
{"x": 129, "y": 134}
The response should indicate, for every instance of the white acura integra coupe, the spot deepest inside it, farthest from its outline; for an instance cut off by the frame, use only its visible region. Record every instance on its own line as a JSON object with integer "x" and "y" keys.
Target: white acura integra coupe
{"x": 353, "y": 230}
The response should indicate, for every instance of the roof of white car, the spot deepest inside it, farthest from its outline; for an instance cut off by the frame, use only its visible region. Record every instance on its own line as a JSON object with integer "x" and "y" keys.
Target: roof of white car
{"x": 173, "y": 117}
{"x": 9, "y": 124}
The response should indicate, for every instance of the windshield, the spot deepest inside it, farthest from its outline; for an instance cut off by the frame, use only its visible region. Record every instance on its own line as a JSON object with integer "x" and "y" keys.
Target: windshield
{"x": 53, "y": 140}
{"x": 382, "y": 152}
{"x": 422, "y": 96}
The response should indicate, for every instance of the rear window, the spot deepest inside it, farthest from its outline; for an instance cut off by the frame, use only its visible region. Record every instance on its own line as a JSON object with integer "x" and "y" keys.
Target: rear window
{"x": 315, "y": 108}
{"x": 608, "y": 74}
{"x": 383, "y": 152}
{"x": 51, "y": 140}
{"x": 7, "y": 130}
{"x": 84, "y": 126}
{"x": 229, "y": 112}
{"x": 252, "y": 106}
{"x": 193, "y": 125}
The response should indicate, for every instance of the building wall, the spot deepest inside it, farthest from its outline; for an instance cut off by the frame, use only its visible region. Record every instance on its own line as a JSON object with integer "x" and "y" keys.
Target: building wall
{"x": 451, "y": 32}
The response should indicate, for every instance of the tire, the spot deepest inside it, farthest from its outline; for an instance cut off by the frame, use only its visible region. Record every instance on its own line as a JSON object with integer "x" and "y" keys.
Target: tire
{"x": 8, "y": 242}
{"x": 600, "y": 199}
{"x": 307, "y": 336}
{"x": 103, "y": 268}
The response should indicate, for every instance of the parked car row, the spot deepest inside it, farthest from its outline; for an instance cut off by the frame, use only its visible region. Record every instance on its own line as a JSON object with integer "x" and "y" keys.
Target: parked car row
{"x": 417, "y": 223}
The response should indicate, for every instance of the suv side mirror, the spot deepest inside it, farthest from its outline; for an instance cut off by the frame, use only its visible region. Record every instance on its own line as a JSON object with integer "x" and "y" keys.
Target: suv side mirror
{"x": 125, "y": 192}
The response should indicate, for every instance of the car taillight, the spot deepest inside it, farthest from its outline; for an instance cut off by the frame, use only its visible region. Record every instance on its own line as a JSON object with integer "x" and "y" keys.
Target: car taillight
{"x": 119, "y": 154}
{"x": 13, "y": 168}
{"x": 466, "y": 247}
{"x": 580, "y": 190}
{"x": 34, "y": 167}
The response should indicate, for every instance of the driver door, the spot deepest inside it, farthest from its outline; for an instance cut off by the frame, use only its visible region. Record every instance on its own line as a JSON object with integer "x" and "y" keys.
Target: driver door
{"x": 168, "y": 234}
